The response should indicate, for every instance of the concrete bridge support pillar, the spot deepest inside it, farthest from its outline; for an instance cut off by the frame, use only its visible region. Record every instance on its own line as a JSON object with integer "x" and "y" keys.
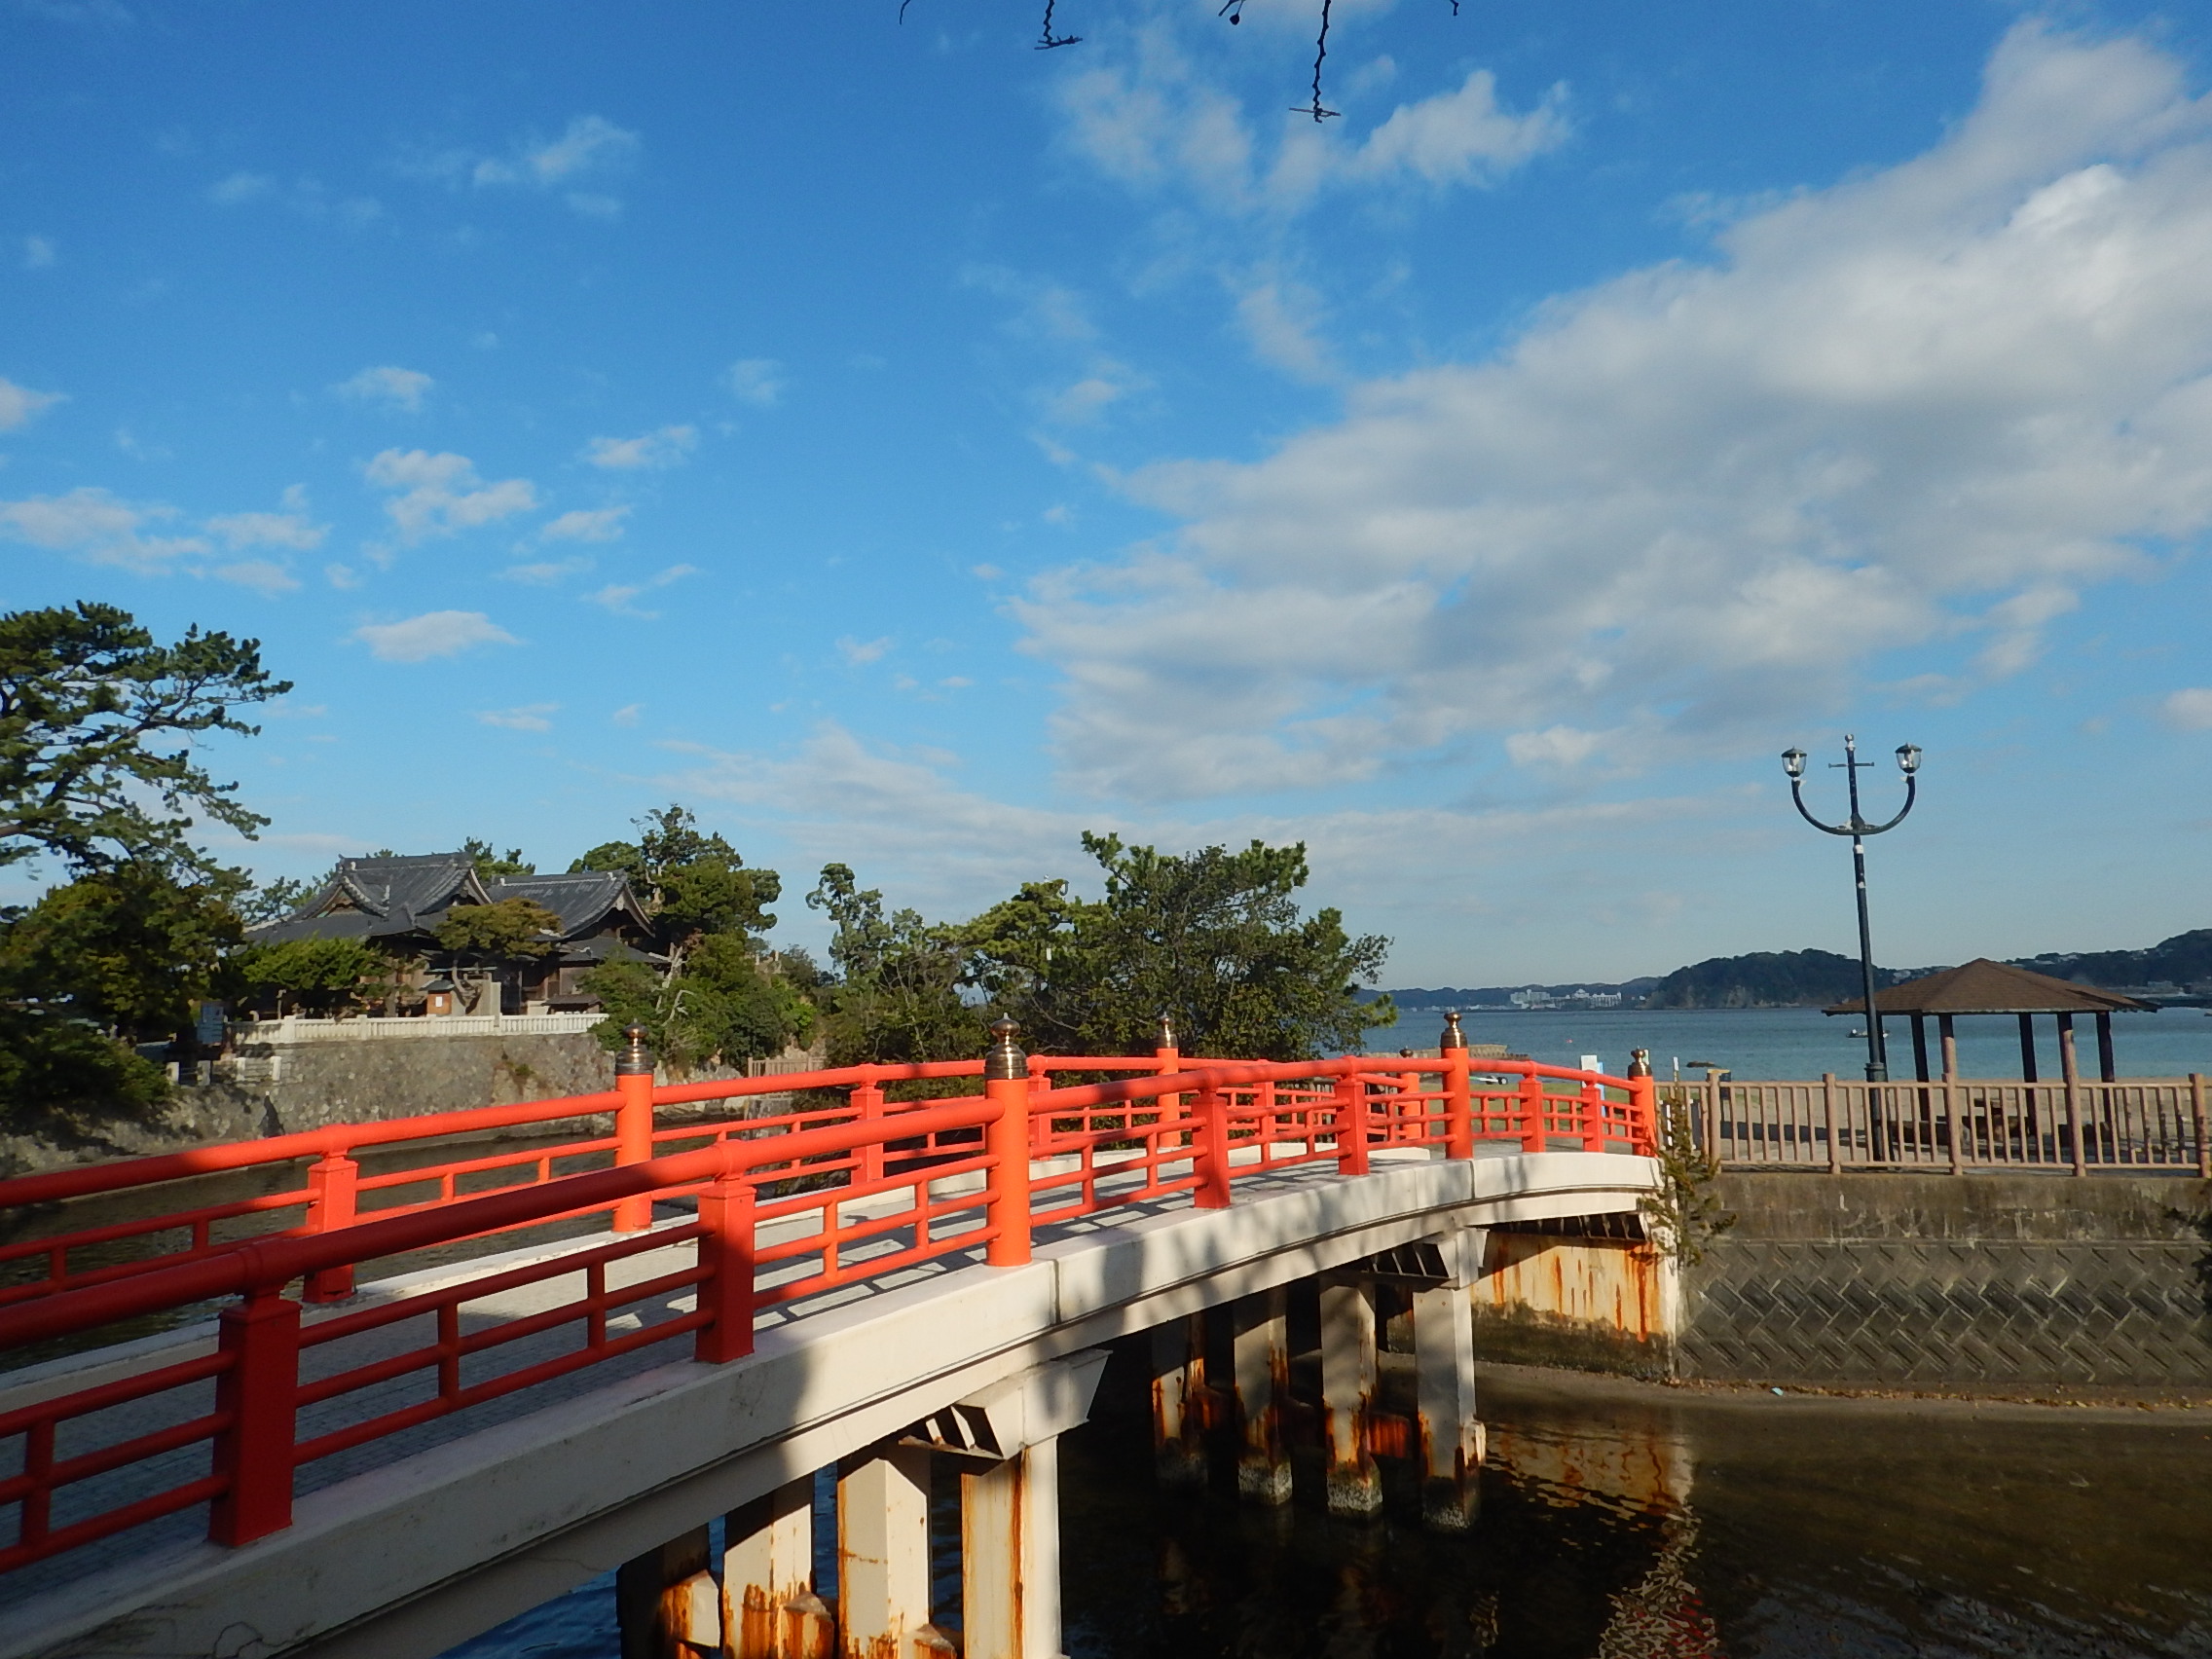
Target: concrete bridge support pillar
{"x": 1261, "y": 1333}
{"x": 1178, "y": 1387}
{"x": 666, "y": 1603}
{"x": 883, "y": 1552}
{"x": 1444, "y": 1351}
{"x": 768, "y": 1605}
{"x": 1347, "y": 1391}
{"x": 1010, "y": 1557}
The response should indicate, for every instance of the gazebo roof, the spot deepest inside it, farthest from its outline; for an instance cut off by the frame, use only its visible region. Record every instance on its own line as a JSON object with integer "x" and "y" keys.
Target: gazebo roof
{"x": 1984, "y": 986}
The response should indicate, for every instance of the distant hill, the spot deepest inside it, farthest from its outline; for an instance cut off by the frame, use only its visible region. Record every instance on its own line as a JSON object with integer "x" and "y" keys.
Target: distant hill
{"x": 1815, "y": 979}
{"x": 1764, "y": 979}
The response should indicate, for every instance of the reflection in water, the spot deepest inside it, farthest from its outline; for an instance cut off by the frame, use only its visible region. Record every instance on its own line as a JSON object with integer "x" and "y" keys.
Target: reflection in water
{"x": 1620, "y": 1522}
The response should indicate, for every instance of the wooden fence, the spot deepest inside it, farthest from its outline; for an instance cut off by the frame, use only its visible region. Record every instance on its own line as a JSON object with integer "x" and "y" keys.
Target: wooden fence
{"x": 1960, "y": 1126}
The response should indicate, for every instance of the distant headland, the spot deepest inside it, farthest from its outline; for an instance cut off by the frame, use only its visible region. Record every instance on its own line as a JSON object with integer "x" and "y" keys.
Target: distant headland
{"x": 2177, "y": 970}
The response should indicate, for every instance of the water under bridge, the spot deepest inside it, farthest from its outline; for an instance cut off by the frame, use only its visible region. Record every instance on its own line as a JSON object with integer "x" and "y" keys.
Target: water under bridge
{"x": 397, "y": 1382}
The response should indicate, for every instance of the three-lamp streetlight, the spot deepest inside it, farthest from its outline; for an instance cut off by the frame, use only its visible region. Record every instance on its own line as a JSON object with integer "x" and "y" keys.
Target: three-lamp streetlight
{"x": 1858, "y": 828}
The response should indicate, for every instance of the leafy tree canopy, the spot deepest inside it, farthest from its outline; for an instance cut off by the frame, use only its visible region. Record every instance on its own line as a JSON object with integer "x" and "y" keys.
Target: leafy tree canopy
{"x": 726, "y": 1007}
{"x": 131, "y": 948}
{"x": 1212, "y": 938}
{"x": 898, "y": 993}
{"x": 321, "y": 972}
{"x": 97, "y": 729}
{"x": 490, "y": 865}
{"x": 504, "y": 931}
{"x": 693, "y": 882}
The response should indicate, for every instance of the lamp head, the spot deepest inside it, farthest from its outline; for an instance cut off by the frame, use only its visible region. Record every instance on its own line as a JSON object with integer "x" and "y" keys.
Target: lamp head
{"x": 1908, "y": 758}
{"x": 1793, "y": 762}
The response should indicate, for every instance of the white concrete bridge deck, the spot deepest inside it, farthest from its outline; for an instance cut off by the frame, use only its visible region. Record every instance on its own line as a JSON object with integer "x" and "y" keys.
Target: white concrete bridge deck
{"x": 405, "y": 1545}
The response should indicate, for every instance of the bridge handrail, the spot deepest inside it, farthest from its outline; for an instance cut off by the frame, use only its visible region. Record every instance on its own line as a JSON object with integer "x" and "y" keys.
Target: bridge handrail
{"x": 969, "y": 1164}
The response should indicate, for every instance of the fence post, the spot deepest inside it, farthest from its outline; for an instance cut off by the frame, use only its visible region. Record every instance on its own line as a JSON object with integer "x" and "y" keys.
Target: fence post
{"x": 1828, "y": 1104}
{"x": 1352, "y": 1126}
{"x": 2074, "y": 1126}
{"x": 725, "y": 1260}
{"x": 332, "y": 1181}
{"x": 1534, "y": 1136}
{"x": 1643, "y": 1104}
{"x": 1712, "y": 1093}
{"x": 1459, "y": 1101}
{"x": 259, "y": 1395}
{"x": 867, "y": 1106}
{"x": 2196, "y": 1112}
{"x": 1213, "y": 1153}
{"x": 1591, "y": 1110}
{"x": 1006, "y": 1082}
{"x": 634, "y": 1124}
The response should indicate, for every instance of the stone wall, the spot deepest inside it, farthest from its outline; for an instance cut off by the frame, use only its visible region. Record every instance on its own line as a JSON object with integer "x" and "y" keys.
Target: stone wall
{"x": 310, "y": 1085}
{"x": 1956, "y": 1281}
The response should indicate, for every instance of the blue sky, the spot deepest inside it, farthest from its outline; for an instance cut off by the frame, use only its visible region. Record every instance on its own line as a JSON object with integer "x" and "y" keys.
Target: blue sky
{"x": 908, "y": 447}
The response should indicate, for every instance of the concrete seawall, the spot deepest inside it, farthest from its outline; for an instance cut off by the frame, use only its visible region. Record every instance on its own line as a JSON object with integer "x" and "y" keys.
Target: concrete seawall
{"x": 1887, "y": 1281}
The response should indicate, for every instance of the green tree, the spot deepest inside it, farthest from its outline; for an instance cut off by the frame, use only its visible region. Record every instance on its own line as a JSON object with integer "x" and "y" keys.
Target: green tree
{"x": 1213, "y": 939}
{"x": 490, "y": 865}
{"x": 693, "y": 883}
{"x": 129, "y": 948}
{"x": 508, "y": 931}
{"x": 896, "y": 996}
{"x": 728, "y": 1006}
{"x": 273, "y": 901}
{"x": 326, "y": 975}
{"x": 98, "y": 729}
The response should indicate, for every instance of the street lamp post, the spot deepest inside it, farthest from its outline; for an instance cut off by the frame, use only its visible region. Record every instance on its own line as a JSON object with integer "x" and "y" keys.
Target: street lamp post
{"x": 1858, "y": 828}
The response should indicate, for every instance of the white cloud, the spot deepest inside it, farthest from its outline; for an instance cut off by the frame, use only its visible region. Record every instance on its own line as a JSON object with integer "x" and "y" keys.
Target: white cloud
{"x": 99, "y": 528}
{"x": 1553, "y": 746}
{"x": 545, "y": 572}
{"x": 438, "y": 495}
{"x": 590, "y": 152}
{"x": 239, "y": 187}
{"x": 241, "y": 531}
{"x": 758, "y": 380}
{"x": 19, "y": 405}
{"x": 627, "y": 715}
{"x": 38, "y": 253}
{"x": 265, "y": 578}
{"x": 1921, "y": 408}
{"x": 531, "y": 716}
{"x": 620, "y": 597}
{"x": 388, "y": 384}
{"x": 666, "y": 447}
{"x": 341, "y": 575}
{"x": 861, "y": 652}
{"x": 595, "y": 524}
{"x": 433, "y": 634}
{"x": 2190, "y": 709}
{"x": 1149, "y": 118}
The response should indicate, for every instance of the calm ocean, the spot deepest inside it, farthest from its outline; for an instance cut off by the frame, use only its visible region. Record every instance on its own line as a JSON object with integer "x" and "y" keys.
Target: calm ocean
{"x": 1803, "y": 1041}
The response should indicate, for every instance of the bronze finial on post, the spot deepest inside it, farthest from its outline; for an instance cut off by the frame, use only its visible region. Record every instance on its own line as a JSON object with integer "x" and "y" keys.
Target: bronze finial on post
{"x": 1006, "y": 1058}
{"x": 1640, "y": 1062}
{"x": 637, "y": 1057}
{"x": 1452, "y": 1037}
{"x": 1166, "y": 1031}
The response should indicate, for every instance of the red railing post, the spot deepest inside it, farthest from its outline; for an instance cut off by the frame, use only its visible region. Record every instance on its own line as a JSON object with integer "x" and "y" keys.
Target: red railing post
{"x": 1352, "y": 1126}
{"x": 1643, "y": 1104}
{"x": 1593, "y": 1116}
{"x": 1213, "y": 1151}
{"x": 258, "y": 1395}
{"x": 725, "y": 1259}
{"x": 1459, "y": 1101}
{"x": 868, "y": 1107}
{"x": 1534, "y": 1133}
{"x": 1005, "y": 1139}
{"x": 634, "y": 1125}
{"x": 332, "y": 1184}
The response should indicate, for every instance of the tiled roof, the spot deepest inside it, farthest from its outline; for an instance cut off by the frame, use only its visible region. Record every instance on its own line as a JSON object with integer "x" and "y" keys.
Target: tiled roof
{"x": 581, "y": 900}
{"x": 1984, "y": 986}
{"x": 393, "y": 898}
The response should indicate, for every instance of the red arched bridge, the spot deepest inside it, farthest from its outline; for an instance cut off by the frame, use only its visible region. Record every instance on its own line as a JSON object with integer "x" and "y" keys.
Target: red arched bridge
{"x": 374, "y": 1387}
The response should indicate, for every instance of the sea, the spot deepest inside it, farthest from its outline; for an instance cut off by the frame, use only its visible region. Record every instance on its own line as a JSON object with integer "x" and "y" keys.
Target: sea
{"x": 1758, "y": 1044}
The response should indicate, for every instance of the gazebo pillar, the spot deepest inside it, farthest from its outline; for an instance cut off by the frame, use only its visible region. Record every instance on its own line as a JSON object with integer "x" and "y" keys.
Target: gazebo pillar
{"x": 2027, "y": 1048}
{"x": 1920, "y": 1047}
{"x": 1950, "y": 1047}
{"x": 2104, "y": 1047}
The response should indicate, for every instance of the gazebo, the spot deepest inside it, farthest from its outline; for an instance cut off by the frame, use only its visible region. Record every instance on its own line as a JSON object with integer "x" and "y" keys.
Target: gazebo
{"x": 1984, "y": 986}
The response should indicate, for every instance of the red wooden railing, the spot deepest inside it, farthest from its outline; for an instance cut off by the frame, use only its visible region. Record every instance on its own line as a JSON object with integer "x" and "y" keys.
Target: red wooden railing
{"x": 981, "y": 1171}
